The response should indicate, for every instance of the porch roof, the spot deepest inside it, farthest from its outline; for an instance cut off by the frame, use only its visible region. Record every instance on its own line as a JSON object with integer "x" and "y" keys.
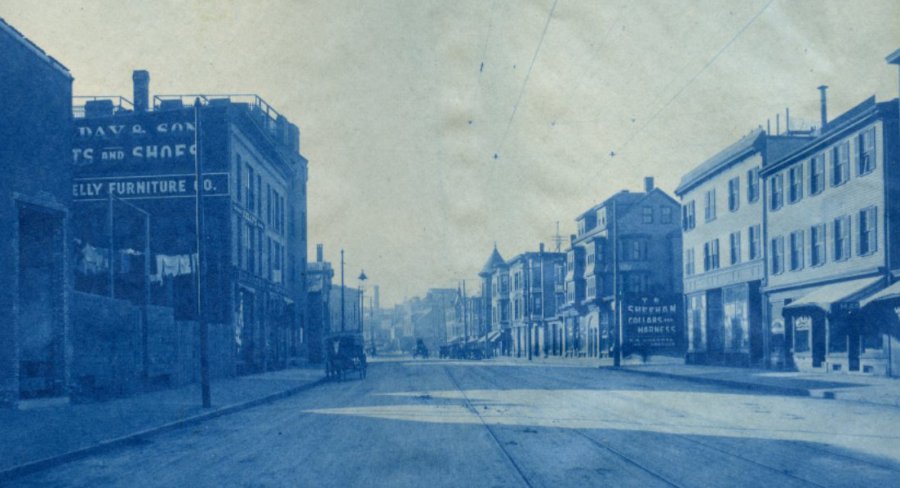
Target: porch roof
{"x": 844, "y": 291}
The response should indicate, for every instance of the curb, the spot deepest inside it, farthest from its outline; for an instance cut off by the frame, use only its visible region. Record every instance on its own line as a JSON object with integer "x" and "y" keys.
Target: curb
{"x": 111, "y": 444}
{"x": 741, "y": 385}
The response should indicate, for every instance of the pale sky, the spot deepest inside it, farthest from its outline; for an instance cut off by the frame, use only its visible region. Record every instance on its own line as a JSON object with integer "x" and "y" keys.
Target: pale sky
{"x": 400, "y": 120}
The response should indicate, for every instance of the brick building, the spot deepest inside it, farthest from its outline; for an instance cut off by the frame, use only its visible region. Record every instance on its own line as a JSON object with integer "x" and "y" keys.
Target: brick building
{"x": 35, "y": 196}
{"x": 135, "y": 207}
{"x": 534, "y": 299}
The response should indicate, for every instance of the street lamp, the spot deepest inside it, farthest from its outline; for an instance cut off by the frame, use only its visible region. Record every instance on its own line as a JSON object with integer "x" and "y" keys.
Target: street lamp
{"x": 362, "y": 278}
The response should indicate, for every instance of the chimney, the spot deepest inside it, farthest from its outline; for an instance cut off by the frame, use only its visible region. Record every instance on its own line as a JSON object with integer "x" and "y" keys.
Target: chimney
{"x": 320, "y": 253}
{"x": 648, "y": 184}
{"x": 787, "y": 121}
{"x": 141, "y": 99}
{"x": 541, "y": 247}
{"x": 824, "y": 104}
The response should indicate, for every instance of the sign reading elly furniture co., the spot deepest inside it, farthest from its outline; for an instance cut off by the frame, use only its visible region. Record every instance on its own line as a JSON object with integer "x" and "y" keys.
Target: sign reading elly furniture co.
{"x": 652, "y": 321}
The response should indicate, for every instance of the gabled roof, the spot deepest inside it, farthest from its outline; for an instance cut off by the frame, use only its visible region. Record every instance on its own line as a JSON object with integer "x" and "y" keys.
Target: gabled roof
{"x": 34, "y": 48}
{"x": 495, "y": 261}
{"x": 745, "y": 146}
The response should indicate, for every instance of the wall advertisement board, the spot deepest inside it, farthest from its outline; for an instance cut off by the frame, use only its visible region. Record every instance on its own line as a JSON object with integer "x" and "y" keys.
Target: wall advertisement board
{"x": 652, "y": 321}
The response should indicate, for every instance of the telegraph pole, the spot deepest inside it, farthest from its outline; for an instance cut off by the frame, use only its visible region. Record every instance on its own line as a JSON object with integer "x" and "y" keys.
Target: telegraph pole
{"x": 342, "y": 290}
{"x": 198, "y": 231}
{"x": 465, "y": 311}
{"x": 617, "y": 302}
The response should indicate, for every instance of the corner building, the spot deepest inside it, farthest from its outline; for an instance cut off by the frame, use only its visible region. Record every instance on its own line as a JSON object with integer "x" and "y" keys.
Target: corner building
{"x": 135, "y": 195}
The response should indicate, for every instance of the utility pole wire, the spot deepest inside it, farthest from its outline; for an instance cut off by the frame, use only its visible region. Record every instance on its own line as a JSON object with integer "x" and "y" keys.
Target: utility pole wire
{"x": 527, "y": 75}
{"x": 693, "y": 78}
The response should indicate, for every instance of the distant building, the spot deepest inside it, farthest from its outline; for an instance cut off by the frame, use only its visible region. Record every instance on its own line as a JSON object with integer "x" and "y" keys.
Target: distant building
{"x": 344, "y": 310}
{"x": 627, "y": 257}
{"x": 833, "y": 244}
{"x": 496, "y": 303}
{"x": 319, "y": 281}
{"x": 134, "y": 167}
{"x": 35, "y": 198}
{"x": 724, "y": 264}
{"x": 534, "y": 302}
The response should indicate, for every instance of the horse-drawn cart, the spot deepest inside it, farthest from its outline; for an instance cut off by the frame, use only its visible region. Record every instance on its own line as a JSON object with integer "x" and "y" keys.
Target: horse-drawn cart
{"x": 345, "y": 353}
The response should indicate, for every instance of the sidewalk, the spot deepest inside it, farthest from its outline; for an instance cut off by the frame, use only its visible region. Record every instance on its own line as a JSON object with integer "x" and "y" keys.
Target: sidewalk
{"x": 841, "y": 386}
{"x": 851, "y": 387}
{"x": 43, "y": 436}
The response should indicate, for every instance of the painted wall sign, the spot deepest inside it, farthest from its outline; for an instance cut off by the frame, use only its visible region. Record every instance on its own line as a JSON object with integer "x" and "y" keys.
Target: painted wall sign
{"x": 152, "y": 142}
{"x": 136, "y": 187}
{"x": 652, "y": 321}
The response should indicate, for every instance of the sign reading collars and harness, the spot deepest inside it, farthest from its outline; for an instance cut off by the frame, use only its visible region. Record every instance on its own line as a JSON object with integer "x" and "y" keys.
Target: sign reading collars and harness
{"x": 652, "y": 321}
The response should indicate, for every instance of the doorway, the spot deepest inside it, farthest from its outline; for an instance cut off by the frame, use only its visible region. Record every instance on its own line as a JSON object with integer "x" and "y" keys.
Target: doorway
{"x": 41, "y": 294}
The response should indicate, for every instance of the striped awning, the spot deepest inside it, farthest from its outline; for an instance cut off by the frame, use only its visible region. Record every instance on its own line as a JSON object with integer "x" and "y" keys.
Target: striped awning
{"x": 825, "y": 296}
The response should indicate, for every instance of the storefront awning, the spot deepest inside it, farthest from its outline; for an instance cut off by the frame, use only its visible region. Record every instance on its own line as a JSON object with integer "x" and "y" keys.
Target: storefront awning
{"x": 888, "y": 293}
{"x": 843, "y": 292}
{"x": 493, "y": 336}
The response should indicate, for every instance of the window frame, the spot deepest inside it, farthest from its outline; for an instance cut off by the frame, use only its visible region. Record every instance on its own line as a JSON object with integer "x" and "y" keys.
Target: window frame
{"x": 776, "y": 199}
{"x": 817, "y": 174}
{"x": 734, "y": 194}
{"x": 840, "y": 164}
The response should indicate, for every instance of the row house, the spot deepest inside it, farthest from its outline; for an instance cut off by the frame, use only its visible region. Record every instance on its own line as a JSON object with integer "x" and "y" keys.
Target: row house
{"x": 724, "y": 267}
{"x": 622, "y": 267}
{"x": 495, "y": 301}
{"x": 535, "y": 297}
{"x": 833, "y": 244}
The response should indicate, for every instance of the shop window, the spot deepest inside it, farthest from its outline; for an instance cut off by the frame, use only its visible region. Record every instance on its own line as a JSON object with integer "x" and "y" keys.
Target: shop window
{"x": 817, "y": 174}
{"x": 802, "y": 327}
{"x": 866, "y": 152}
{"x": 867, "y": 231}
{"x": 734, "y": 193}
{"x": 753, "y": 185}
{"x": 777, "y": 193}
{"x": 840, "y": 164}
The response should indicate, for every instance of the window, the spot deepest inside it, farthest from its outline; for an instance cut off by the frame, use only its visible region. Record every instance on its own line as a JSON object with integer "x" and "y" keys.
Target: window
{"x": 589, "y": 256}
{"x": 711, "y": 255}
{"x": 777, "y": 199}
{"x": 636, "y": 282}
{"x": 866, "y": 151}
{"x": 795, "y": 184}
{"x": 647, "y": 214}
{"x": 754, "y": 237}
{"x": 841, "y": 238}
{"x": 734, "y": 241}
{"x": 709, "y": 209}
{"x": 867, "y": 231}
{"x": 796, "y": 258}
{"x": 817, "y": 174}
{"x": 840, "y": 164}
{"x": 259, "y": 205}
{"x": 249, "y": 189}
{"x": 753, "y": 185}
{"x": 689, "y": 262}
{"x": 777, "y": 255}
{"x": 536, "y": 309}
{"x": 634, "y": 249}
{"x": 689, "y": 216}
{"x": 665, "y": 215}
{"x": 239, "y": 176}
{"x": 734, "y": 194}
{"x": 817, "y": 245}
